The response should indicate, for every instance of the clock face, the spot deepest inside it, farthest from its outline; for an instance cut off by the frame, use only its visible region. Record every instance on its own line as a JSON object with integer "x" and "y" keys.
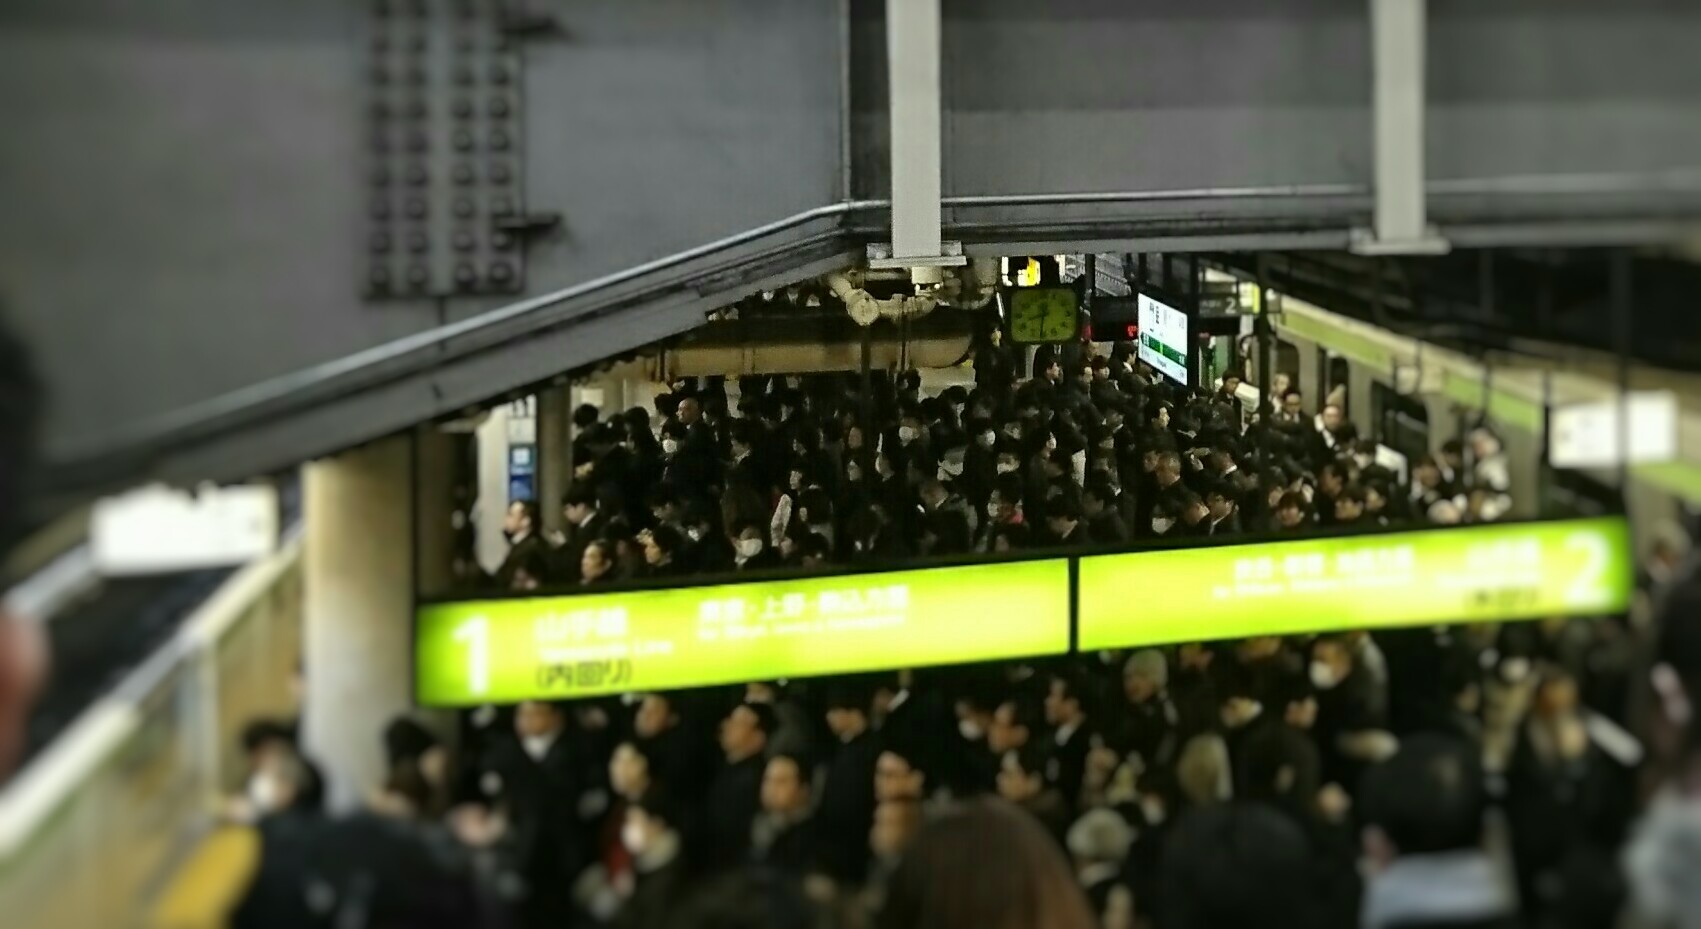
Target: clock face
{"x": 1043, "y": 314}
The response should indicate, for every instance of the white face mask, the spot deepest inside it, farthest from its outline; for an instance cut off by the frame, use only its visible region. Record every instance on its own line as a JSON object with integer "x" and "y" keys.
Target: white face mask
{"x": 1515, "y": 670}
{"x": 906, "y": 434}
{"x": 1323, "y": 676}
{"x": 694, "y": 534}
{"x": 1014, "y": 432}
{"x": 853, "y": 473}
{"x": 1161, "y": 525}
{"x": 670, "y": 445}
{"x": 950, "y": 468}
{"x": 263, "y": 792}
{"x": 633, "y": 838}
{"x": 970, "y": 730}
{"x": 749, "y": 548}
{"x": 992, "y": 510}
{"x": 988, "y": 438}
{"x": 1005, "y": 467}
{"x": 537, "y": 746}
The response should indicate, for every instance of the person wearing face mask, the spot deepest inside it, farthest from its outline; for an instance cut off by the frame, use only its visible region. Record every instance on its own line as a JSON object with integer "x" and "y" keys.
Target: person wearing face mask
{"x": 1564, "y": 792}
{"x": 536, "y": 772}
{"x": 661, "y": 874}
{"x": 751, "y": 550}
{"x": 1352, "y": 713}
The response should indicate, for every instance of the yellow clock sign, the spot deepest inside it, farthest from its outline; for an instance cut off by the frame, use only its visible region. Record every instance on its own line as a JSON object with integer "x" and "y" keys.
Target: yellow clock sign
{"x": 1044, "y": 314}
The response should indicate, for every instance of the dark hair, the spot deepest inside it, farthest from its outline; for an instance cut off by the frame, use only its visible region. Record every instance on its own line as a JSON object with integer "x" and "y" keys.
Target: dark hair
{"x": 1352, "y": 493}
{"x": 1025, "y": 712}
{"x": 1428, "y": 798}
{"x": 579, "y": 495}
{"x": 849, "y": 695}
{"x": 1263, "y": 756}
{"x": 1032, "y": 758}
{"x": 585, "y": 416}
{"x": 1293, "y": 499}
{"x": 984, "y": 865}
{"x": 20, "y": 422}
{"x": 805, "y": 767}
{"x": 766, "y": 720}
{"x": 257, "y": 734}
{"x": 666, "y": 539}
{"x": 1235, "y": 866}
{"x": 658, "y": 803}
{"x": 405, "y": 739}
{"x": 745, "y": 898}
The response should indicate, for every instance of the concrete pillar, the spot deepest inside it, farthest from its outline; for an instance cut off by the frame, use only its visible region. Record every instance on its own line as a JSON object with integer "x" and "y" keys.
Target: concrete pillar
{"x": 434, "y": 470}
{"x": 358, "y": 601}
{"x": 554, "y": 452}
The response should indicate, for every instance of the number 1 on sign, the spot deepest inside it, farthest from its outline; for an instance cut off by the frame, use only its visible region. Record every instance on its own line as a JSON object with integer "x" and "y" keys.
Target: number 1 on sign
{"x": 475, "y": 633}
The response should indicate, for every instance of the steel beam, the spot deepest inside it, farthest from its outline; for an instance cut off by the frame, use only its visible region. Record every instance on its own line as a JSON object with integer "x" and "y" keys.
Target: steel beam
{"x": 1397, "y": 30}
{"x": 912, "y": 60}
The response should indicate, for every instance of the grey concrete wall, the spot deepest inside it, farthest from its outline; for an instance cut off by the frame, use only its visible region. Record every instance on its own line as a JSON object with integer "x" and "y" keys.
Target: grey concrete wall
{"x": 180, "y": 195}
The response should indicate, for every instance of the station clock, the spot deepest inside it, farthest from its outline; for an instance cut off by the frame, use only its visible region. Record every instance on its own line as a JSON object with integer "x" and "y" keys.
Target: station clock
{"x": 1044, "y": 314}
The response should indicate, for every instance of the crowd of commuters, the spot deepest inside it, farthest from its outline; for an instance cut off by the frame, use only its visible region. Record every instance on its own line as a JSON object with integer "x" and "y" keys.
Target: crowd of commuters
{"x": 1451, "y": 776}
{"x": 798, "y": 472}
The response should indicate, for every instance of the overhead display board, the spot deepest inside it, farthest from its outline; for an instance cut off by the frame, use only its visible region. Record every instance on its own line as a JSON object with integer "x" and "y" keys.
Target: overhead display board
{"x": 1164, "y": 338}
{"x": 507, "y": 650}
{"x": 1475, "y": 574}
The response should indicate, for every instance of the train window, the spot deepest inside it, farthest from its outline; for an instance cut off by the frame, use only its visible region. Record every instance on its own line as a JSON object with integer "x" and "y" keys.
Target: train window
{"x": 1337, "y": 375}
{"x": 1402, "y": 422}
{"x": 1570, "y": 493}
{"x": 1286, "y": 361}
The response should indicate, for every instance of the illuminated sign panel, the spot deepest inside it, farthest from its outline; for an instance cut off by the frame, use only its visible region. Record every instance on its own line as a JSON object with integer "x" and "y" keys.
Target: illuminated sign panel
{"x": 1164, "y": 342}
{"x": 503, "y": 651}
{"x": 1477, "y": 574}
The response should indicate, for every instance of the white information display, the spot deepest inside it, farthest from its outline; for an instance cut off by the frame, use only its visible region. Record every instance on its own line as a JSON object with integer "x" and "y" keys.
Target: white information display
{"x": 159, "y": 529}
{"x": 1590, "y": 435}
{"x": 1164, "y": 341}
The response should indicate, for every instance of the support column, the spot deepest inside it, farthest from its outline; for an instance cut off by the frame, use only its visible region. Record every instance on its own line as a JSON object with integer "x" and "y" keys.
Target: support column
{"x": 357, "y": 610}
{"x": 554, "y": 452}
{"x": 1398, "y": 47}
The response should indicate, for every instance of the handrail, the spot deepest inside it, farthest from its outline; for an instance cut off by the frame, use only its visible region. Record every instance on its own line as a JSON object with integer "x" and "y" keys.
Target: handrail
{"x": 66, "y": 766}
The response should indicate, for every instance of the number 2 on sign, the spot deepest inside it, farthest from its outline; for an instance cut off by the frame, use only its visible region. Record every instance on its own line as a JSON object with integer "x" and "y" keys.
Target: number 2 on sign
{"x": 475, "y": 633}
{"x": 1585, "y": 585}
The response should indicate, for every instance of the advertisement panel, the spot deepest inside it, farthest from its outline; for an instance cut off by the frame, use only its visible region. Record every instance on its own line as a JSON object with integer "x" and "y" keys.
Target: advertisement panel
{"x": 503, "y": 651}
{"x": 1477, "y": 574}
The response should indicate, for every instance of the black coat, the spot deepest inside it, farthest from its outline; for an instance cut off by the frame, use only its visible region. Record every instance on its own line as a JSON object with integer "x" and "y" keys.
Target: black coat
{"x": 845, "y": 812}
{"x": 731, "y": 806}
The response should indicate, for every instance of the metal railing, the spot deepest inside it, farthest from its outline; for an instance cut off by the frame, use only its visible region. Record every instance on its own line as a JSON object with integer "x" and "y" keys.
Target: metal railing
{"x": 93, "y": 825}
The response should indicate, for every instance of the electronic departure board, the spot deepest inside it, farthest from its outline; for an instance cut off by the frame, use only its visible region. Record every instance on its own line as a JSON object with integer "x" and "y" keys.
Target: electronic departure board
{"x": 507, "y": 650}
{"x": 1475, "y": 574}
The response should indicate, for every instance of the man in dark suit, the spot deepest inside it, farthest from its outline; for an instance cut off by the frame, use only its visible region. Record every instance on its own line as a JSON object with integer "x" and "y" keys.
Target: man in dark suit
{"x": 1423, "y": 838}
{"x": 536, "y": 772}
{"x": 736, "y": 793}
{"x": 525, "y": 547}
{"x": 846, "y": 810}
{"x": 783, "y": 834}
{"x": 1066, "y": 712}
{"x": 584, "y": 525}
{"x": 1225, "y": 513}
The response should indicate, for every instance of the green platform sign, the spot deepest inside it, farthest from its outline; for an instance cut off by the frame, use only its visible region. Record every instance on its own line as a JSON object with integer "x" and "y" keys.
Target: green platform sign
{"x": 503, "y": 651}
{"x": 1477, "y": 574}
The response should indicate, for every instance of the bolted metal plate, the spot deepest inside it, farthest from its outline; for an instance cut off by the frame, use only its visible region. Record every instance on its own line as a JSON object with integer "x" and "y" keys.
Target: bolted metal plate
{"x": 443, "y": 152}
